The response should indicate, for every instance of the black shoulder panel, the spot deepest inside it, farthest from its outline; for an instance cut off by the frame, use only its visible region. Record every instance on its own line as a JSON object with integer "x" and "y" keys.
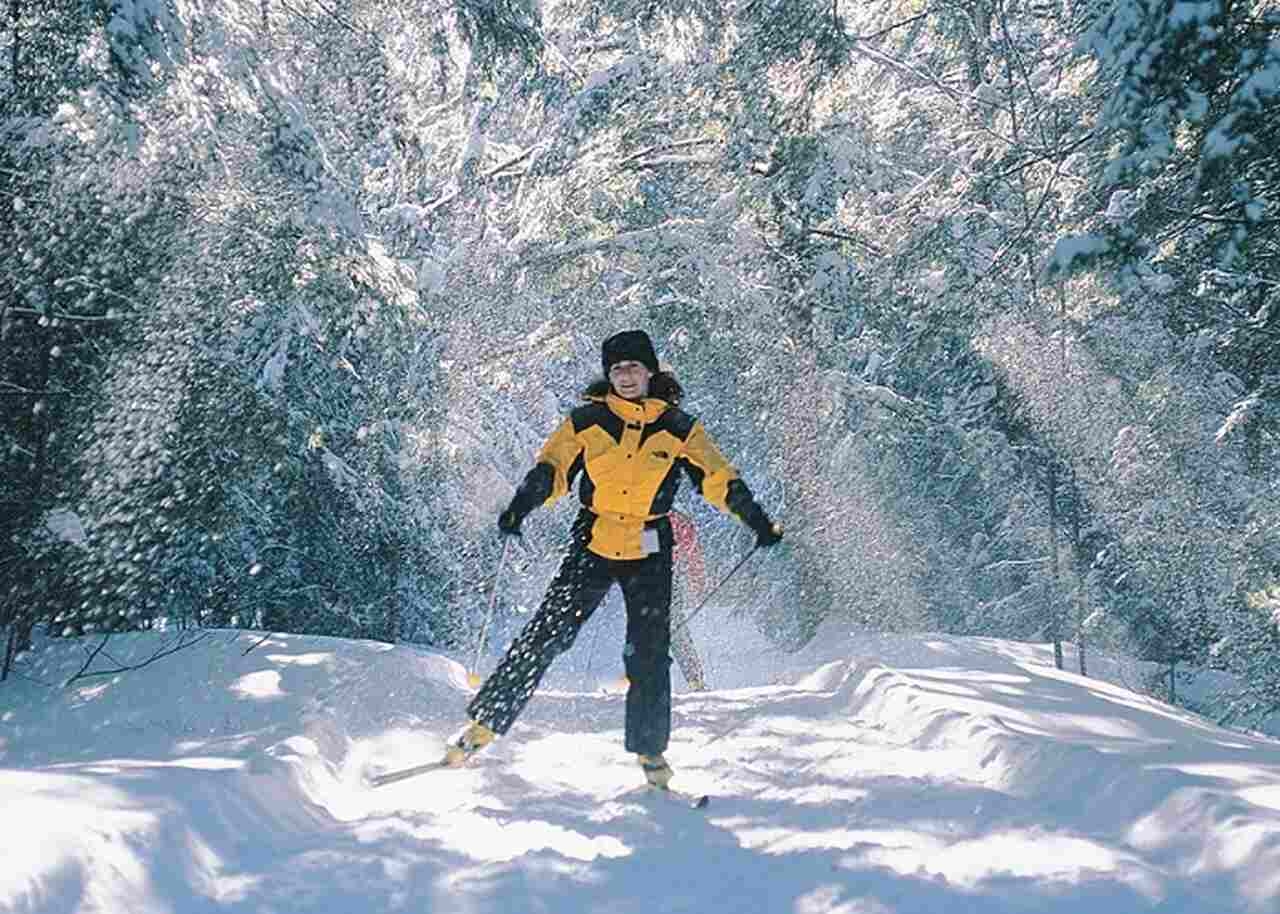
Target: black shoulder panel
{"x": 584, "y": 417}
{"x": 674, "y": 421}
{"x": 681, "y": 422}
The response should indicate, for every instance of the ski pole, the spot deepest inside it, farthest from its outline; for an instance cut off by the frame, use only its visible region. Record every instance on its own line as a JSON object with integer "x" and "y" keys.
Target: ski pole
{"x": 473, "y": 677}
{"x": 723, "y": 581}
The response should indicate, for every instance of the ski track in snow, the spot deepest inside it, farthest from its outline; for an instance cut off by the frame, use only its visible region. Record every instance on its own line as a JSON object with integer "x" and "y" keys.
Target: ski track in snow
{"x": 877, "y": 775}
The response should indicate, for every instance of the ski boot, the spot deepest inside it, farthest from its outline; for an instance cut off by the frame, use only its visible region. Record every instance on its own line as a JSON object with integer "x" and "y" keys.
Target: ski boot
{"x": 474, "y": 738}
{"x": 656, "y": 770}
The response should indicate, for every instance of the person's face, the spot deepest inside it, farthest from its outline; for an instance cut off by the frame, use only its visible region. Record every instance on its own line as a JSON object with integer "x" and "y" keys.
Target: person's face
{"x": 630, "y": 380}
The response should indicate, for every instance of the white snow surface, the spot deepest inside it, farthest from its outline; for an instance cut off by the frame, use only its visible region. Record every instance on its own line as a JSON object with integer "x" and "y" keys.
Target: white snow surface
{"x": 867, "y": 774}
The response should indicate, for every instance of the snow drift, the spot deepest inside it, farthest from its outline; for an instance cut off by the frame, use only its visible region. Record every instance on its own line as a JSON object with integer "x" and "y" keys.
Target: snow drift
{"x": 869, "y": 774}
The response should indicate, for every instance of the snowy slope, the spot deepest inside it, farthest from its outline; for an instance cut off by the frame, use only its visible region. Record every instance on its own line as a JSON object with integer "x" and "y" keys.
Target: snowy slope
{"x": 871, "y": 774}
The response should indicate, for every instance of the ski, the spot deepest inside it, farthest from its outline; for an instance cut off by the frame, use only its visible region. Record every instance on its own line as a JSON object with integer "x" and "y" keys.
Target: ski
{"x": 401, "y": 774}
{"x": 684, "y": 798}
{"x": 692, "y": 800}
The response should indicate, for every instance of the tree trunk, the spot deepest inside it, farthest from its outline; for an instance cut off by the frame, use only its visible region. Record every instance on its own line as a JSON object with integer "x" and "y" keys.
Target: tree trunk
{"x": 15, "y": 56}
{"x": 1055, "y": 626}
{"x": 978, "y": 42}
{"x": 1082, "y": 645}
{"x": 10, "y": 651}
{"x": 1078, "y": 585}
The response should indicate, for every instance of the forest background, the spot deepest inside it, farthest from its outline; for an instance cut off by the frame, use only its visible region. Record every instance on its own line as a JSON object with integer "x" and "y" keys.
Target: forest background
{"x": 982, "y": 296}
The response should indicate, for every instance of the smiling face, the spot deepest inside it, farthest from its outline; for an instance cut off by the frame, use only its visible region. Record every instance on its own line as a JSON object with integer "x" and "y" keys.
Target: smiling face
{"x": 630, "y": 380}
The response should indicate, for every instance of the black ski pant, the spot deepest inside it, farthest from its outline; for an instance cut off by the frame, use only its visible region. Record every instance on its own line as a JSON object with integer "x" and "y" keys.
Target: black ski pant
{"x": 580, "y": 586}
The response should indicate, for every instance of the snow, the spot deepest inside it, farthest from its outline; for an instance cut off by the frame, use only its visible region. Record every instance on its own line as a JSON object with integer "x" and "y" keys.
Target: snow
{"x": 272, "y": 375}
{"x": 1071, "y": 248}
{"x": 892, "y": 774}
{"x": 630, "y": 65}
{"x": 66, "y": 526}
{"x": 1122, "y": 206}
{"x": 935, "y": 281}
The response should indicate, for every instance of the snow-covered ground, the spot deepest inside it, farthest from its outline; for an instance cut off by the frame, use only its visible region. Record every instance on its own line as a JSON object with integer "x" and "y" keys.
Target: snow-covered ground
{"x": 866, "y": 775}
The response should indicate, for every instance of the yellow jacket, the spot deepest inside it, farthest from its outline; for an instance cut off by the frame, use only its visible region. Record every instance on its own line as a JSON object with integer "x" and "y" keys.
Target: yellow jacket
{"x": 630, "y": 456}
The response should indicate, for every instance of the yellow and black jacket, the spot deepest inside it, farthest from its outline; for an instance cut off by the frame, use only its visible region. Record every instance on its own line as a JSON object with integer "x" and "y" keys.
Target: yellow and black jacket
{"x": 630, "y": 455}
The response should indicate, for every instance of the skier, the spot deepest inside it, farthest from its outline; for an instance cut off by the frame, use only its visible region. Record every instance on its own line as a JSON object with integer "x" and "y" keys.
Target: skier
{"x": 629, "y": 442}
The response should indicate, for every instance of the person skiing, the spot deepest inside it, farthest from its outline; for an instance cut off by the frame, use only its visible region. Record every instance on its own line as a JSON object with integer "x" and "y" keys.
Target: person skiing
{"x": 629, "y": 442}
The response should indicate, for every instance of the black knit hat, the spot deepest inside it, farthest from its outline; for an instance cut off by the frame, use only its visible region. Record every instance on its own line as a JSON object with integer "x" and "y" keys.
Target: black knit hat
{"x": 629, "y": 346}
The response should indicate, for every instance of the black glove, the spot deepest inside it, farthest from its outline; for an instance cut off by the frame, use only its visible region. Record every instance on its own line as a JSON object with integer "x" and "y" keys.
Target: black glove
{"x": 509, "y": 523}
{"x": 769, "y": 534}
{"x": 531, "y": 492}
{"x": 740, "y": 502}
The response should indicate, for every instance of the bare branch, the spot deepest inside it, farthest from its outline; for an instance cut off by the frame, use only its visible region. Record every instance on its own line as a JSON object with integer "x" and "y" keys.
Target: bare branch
{"x": 867, "y": 245}
{"x": 182, "y": 643}
{"x": 1220, "y": 220}
{"x": 672, "y": 160}
{"x": 892, "y": 28}
{"x": 1046, "y": 155}
{"x": 93, "y": 655}
{"x": 442, "y": 200}
{"x": 666, "y": 233}
{"x": 825, "y": 233}
{"x": 63, "y": 316}
{"x": 889, "y": 399}
{"x": 1015, "y": 563}
{"x": 332, "y": 14}
{"x": 679, "y": 144}
{"x": 261, "y": 641}
{"x": 893, "y": 63}
{"x": 513, "y": 161}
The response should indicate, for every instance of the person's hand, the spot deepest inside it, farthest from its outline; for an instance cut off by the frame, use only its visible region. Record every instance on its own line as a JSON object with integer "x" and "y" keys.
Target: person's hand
{"x": 768, "y": 535}
{"x": 509, "y": 523}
